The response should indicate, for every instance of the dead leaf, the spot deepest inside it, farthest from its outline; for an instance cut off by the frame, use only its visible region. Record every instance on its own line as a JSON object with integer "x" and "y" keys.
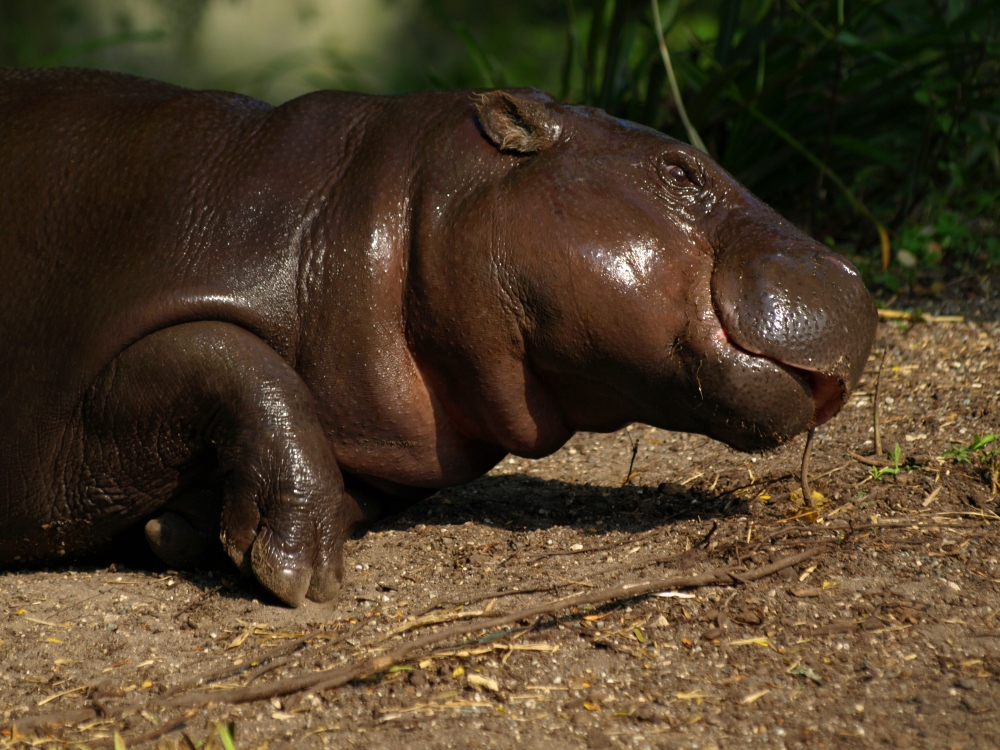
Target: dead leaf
{"x": 754, "y": 697}
{"x": 477, "y": 680}
{"x": 806, "y": 592}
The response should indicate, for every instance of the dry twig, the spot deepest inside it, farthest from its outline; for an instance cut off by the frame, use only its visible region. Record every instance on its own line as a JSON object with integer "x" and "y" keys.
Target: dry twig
{"x": 875, "y": 399}
{"x": 916, "y": 317}
{"x": 335, "y": 677}
{"x": 149, "y": 736}
{"x": 806, "y": 492}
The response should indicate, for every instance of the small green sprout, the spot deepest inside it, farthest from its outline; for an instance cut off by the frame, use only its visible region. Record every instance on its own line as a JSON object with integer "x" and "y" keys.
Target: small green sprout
{"x": 963, "y": 454}
{"x": 878, "y": 472}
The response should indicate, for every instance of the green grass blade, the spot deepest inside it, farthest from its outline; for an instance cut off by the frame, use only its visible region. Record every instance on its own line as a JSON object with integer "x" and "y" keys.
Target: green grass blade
{"x": 226, "y": 735}
{"x": 729, "y": 16}
{"x": 693, "y": 136}
{"x": 92, "y": 46}
{"x": 487, "y": 71}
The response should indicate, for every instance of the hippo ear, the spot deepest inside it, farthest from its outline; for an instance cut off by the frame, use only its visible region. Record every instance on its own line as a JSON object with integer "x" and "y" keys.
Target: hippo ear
{"x": 517, "y": 123}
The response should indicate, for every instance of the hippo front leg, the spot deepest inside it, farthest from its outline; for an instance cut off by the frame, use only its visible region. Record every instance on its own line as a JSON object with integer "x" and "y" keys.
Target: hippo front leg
{"x": 213, "y": 394}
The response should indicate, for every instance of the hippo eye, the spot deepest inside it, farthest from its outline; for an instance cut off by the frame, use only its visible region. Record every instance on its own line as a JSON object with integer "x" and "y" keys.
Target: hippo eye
{"x": 677, "y": 174}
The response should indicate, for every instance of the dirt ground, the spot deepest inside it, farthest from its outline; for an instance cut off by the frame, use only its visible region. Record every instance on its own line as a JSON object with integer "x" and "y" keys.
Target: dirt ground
{"x": 885, "y": 633}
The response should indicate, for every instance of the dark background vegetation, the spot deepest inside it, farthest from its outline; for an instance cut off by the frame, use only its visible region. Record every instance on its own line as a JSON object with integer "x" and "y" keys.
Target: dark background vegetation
{"x": 863, "y": 120}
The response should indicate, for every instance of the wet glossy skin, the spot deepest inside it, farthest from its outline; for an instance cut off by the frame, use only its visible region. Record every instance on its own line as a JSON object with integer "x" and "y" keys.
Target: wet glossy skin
{"x": 303, "y": 317}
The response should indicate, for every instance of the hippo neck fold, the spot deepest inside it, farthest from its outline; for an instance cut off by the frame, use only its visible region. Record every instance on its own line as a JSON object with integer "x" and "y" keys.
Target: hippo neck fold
{"x": 412, "y": 348}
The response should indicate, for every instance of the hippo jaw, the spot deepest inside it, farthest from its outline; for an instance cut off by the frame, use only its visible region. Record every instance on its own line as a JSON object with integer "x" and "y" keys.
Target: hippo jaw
{"x": 829, "y": 393}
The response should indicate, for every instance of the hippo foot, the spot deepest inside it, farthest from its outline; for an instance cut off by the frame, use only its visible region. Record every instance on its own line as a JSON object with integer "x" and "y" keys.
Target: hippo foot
{"x": 178, "y": 543}
{"x": 280, "y": 571}
{"x": 186, "y": 534}
{"x": 185, "y": 543}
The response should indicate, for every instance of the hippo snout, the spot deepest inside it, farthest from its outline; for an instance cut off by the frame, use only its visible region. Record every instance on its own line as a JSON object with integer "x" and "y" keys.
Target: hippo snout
{"x": 805, "y": 309}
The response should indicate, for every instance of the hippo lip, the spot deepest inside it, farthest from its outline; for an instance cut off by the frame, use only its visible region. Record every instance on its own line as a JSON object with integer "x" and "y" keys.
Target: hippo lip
{"x": 828, "y": 392}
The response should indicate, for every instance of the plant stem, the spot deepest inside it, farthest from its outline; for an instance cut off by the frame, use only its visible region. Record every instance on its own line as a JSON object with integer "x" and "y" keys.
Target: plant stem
{"x": 693, "y": 136}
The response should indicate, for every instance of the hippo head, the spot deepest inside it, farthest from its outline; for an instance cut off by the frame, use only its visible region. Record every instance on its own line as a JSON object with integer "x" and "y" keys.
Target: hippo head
{"x": 642, "y": 282}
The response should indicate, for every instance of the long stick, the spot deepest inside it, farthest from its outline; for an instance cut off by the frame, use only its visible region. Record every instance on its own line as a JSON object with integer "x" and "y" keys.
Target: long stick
{"x": 337, "y": 676}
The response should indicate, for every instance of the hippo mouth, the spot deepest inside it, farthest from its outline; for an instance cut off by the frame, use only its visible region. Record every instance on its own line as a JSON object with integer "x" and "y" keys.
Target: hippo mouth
{"x": 793, "y": 306}
{"x": 828, "y": 392}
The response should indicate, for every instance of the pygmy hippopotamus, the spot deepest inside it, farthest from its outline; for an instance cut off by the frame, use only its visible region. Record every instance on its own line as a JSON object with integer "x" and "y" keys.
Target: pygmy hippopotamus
{"x": 295, "y": 319}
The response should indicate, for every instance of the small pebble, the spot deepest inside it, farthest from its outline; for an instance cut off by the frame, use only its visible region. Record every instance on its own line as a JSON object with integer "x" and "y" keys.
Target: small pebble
{"x": 598, "y": 740}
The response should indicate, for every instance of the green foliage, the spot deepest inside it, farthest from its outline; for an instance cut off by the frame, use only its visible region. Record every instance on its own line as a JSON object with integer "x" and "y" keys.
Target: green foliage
{"x": 845, "y": 115}
{"x": 226, "y": 732}
{"x": 457, "y": 44}
{"x": 58, "y": 32}
{"x": 965, "y": 454}
{"x": 946, "y": 245}
{"x": 879, "y": 472}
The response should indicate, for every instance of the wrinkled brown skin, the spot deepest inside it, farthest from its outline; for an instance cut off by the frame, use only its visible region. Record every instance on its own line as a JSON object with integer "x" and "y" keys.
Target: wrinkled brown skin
{"x": 205, "y": 297}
